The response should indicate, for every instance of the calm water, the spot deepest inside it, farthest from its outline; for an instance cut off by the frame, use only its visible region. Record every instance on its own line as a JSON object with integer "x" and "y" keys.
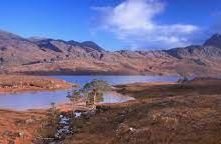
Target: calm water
{"x": 118, "y": 79}
{"x": 30, "y": 100}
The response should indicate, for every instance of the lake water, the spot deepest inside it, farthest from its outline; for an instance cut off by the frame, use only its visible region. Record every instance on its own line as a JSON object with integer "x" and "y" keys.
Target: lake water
{"x": 32, "y": 100}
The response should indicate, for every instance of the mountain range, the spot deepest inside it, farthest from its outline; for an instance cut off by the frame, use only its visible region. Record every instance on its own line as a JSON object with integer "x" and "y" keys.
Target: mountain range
{"x": 51, "y": 56}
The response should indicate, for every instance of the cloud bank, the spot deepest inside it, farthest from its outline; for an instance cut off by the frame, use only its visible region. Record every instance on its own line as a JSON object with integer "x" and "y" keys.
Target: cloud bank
{"x": 133, "y": 21}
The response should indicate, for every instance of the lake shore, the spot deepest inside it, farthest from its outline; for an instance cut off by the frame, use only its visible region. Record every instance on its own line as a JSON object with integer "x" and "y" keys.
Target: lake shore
{"x": 23, "y": 83}
{"x": 161, "y": 112}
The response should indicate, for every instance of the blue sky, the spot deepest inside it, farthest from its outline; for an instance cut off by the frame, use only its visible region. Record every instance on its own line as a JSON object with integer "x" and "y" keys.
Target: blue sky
{"x": 115, "y": 24}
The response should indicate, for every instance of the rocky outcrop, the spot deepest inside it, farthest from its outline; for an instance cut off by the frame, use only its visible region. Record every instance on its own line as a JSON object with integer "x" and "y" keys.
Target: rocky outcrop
{"x": 91, "y": 45}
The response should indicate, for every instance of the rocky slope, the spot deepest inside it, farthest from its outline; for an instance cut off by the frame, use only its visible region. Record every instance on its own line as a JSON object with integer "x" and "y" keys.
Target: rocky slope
{"x": 50, "y": 56}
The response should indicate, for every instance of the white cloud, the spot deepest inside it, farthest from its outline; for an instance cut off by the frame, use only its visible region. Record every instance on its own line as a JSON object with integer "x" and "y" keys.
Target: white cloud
{"x": 134, "y": 21}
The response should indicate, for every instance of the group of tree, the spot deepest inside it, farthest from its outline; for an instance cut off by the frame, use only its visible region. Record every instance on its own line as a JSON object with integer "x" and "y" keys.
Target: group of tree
{"x": 90, "y": 93}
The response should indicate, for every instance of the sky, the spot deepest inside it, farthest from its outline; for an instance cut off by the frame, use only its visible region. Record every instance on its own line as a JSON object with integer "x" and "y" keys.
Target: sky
{"x": 115, "y": 24}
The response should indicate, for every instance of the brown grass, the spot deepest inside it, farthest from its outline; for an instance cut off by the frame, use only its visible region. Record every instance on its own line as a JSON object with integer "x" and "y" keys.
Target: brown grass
{"x": 179, "y": 114}
{"x": 17, "y": 83}
{"x": 19, "y": 127}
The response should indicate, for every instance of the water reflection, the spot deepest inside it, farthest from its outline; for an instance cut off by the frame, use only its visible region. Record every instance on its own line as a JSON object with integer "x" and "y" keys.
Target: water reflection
{"x": 114, "y": 97}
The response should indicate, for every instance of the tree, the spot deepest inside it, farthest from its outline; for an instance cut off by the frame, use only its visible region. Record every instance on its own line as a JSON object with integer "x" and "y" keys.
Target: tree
{"x": 183, "y": 74}
{"x": 49, "y": 124}
{"x": 90, "y": 93}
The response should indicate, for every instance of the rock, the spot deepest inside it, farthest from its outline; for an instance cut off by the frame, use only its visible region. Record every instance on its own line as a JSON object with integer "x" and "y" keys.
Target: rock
{"x": 123, "y": 129}
{"x": 21, "y": 134}
{"x": 29, "y": 121}
{"x": 132, "y": 129}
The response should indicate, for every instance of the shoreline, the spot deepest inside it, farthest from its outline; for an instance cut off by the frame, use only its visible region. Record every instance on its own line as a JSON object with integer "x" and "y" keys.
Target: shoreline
{"x": 66, "y": 106}
{"x": 27, "y": 83}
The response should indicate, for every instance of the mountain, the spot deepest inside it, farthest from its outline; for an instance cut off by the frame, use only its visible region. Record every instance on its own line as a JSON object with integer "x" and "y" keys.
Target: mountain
{"x": 92, "y": 45}
{"x": 15, "y": 50}
{"x": 215, "y": 41}
{"x": 53, "y": 56}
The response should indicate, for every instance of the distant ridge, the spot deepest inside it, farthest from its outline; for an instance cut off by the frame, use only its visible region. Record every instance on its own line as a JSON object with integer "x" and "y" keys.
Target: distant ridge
{"x": 215, "y": 41}
{"x": 51, "y": 56}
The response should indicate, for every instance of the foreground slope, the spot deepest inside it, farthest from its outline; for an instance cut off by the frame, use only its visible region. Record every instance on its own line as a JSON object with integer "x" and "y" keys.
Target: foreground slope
{"x": 162, "y": 113}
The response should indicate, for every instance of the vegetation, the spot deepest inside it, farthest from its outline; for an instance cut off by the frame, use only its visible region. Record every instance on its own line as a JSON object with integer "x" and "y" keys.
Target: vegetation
{"x": 49, "y": 125}
{"x": 188, "y": 114}
{"x": 90, "y": 93}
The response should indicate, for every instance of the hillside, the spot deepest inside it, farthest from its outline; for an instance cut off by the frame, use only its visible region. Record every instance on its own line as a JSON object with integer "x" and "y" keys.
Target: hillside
{"x": 50, "y": 56}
